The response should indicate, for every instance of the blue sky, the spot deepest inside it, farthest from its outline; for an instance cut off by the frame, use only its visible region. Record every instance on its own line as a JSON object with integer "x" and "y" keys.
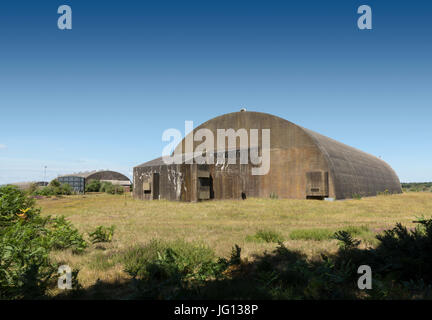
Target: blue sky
{"x": 100, "y": 95}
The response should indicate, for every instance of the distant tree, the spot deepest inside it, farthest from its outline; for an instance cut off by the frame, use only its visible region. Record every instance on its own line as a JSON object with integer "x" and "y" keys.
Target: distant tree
{"x": 93, "y": 186}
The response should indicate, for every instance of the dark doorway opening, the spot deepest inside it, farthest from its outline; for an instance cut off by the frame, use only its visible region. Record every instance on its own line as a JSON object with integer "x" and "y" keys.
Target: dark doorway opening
{"x": 155, "y": 186}
{"x": 205, "y": 188}
{"x": 317, "y": 185}
{"x": 205, "y": 183}
{"x": 211, "y": 188}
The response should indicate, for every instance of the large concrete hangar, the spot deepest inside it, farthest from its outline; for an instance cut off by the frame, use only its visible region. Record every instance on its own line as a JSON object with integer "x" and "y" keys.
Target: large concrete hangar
{"x": 303, "y": 165}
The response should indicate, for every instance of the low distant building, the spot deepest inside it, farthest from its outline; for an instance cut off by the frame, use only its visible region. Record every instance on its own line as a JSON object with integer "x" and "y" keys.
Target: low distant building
{"x": 78, "y": 180}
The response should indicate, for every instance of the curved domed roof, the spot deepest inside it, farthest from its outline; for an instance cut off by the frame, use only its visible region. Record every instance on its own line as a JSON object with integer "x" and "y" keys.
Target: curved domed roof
{"x": 99, "y": 175}
{"x": 352, "y": 170}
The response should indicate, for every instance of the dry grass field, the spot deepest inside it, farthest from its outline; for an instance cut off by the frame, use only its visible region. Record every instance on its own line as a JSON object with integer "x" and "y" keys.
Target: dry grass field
{"x": 221, "y": 224}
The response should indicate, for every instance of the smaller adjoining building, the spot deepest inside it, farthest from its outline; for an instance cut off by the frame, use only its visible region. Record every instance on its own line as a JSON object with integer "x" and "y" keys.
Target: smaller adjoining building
{"x": 78, "y": 180}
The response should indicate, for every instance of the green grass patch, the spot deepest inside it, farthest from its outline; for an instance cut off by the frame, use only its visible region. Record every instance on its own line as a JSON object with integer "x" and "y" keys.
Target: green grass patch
{"x": 311, "y": 234}
{"x": 265, "y": 236}
{"x": 327, "y": 234}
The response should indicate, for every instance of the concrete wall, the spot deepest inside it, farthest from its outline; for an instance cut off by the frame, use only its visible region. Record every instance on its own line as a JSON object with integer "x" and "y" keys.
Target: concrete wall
{"x": 293, "y": 153}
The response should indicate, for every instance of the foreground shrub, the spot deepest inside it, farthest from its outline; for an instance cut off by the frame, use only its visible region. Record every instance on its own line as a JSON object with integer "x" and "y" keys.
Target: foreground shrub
{"x": 172, "y": 268}
{"x": 401, "y": 265}
{"x": 102, "y": 234}
{"x": 25, "y": 268}
{"x": 15, "y": 206}
{"x": 160, "y": 259}
{"x": 63, "y": 235}
{"x": 26, "y": 240}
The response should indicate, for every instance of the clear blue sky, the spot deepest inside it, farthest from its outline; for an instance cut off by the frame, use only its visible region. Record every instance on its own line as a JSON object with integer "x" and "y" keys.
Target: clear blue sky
{"x": 100, "y": 95}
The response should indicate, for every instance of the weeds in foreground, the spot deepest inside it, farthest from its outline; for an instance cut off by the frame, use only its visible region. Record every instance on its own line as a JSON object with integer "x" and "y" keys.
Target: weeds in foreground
{"x": 26, "y": 240}
{"x": 401, "y": 265}
{"x": 102, "y": 234}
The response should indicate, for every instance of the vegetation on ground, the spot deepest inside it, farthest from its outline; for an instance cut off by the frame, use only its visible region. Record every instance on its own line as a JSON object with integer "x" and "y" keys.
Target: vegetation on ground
{"x": 93, "y": 186}
{"x": 26, "y": 240}
{"x": 417, "y": 186}
{"x": 266, "y": 236}
{"x": 319, "y": 234}
{"x": 218, "y": 255}
{"x": 105, "y": 186}
{"x": 102, "y": 234}
{"x": 55, "y": 188}
{"x": 401, "y": 265}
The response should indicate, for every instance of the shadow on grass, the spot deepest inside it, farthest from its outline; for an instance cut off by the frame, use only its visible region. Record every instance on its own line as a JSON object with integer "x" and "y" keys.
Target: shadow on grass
{"x": 401, "y": 269}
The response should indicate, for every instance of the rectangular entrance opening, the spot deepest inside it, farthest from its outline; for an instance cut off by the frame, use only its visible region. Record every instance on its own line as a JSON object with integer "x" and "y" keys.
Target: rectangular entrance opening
{"x": 204, "y": 183}
{"x": 155, "y": 186}
{"x": 317, "y": 185}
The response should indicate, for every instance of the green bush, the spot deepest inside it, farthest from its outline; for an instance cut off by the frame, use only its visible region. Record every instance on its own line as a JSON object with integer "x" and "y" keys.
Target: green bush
{"x": 110, "y": 188}
{"x": 25, "y": 268}
{"x": 102, "y": 234}
{"x": 105, "y": 186}
{"x": 172, "y": 268}
{"x": 346, "y": 240}
{"x": 54, "y": 183}
{"x": 26, "y": 240}
{"x": 417, "y": 187}
{"x": 93, "y": 186}
{"x": 187, "y": 259}
{"x": 15, "y": 205}
{"x": 63, "y": 235}
{"x": 54, "y": 189}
